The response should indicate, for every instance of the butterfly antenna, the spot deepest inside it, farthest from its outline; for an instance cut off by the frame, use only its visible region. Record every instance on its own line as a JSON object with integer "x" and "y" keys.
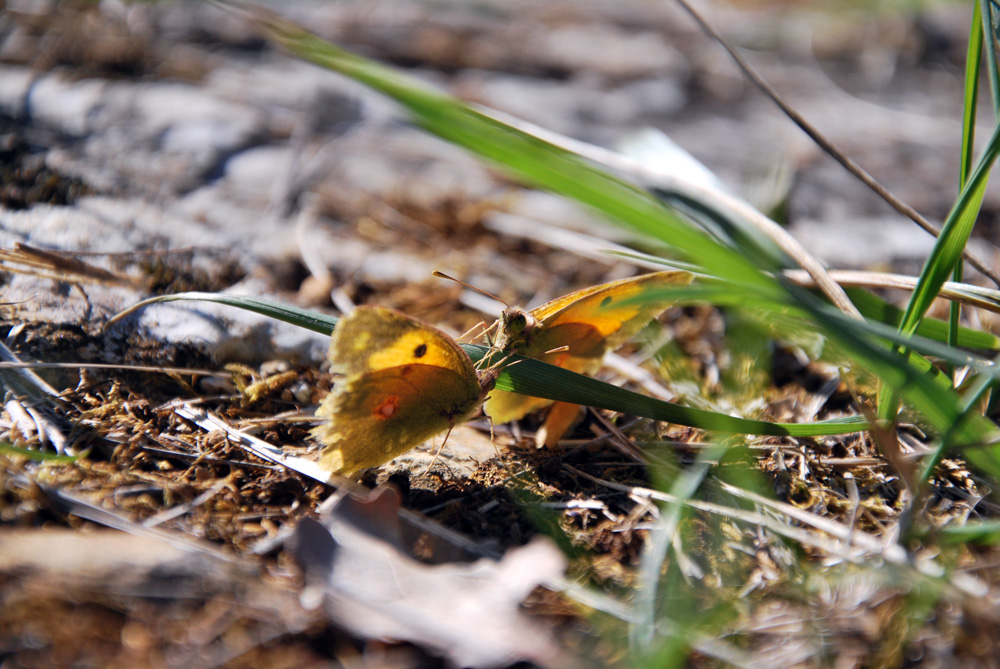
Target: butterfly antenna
{"x": 442, "y": 275}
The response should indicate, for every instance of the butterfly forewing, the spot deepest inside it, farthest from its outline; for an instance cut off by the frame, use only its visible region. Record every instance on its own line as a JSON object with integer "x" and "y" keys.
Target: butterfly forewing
{"x": 576, "y": 331}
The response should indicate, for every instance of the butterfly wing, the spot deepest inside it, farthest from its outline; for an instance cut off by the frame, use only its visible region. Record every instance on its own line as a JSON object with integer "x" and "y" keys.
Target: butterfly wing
{"x": 403, "y": 382}
{"x": 584, "y": 325}
{"x": 603, "y": 316}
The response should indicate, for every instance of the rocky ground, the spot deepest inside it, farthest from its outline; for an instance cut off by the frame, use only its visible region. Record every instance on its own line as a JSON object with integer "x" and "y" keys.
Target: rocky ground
{"x": 166, "y": 147}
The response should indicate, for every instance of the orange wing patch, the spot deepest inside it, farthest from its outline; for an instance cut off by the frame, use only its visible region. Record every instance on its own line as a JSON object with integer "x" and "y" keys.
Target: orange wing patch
{"x": 588, "y": 323}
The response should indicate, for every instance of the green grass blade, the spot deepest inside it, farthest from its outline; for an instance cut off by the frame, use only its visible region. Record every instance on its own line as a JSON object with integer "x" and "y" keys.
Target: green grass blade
{"x": 941, "y": 407}
{"x": 877, "y": 309}
{"x": 542, "y": 164}
{"x": 6, "y": 448}
{"x": 973, "y": 65}
{"x": 955, "y": 234}
{"x": 881, "y": 335}
{"x": 529, "y": 158}
{"x": 986, "y": 457}
{"x": 983, "y": 532}
{"x": 990, "y": 18}
{"x": 945, "y": 256}
{"x": 288, "y": 313}
{"x": 539, "y": 379}
{"x": 644, "y": 632}
{"x": 531, "y": 377}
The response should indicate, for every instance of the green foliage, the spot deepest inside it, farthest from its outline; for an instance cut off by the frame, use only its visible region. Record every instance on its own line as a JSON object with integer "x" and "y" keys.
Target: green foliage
{"x": 40, "y": 456}
{"x": 903, "y": 349}
{"x": 539, "y": 379}
{"x": 542, "y": 164}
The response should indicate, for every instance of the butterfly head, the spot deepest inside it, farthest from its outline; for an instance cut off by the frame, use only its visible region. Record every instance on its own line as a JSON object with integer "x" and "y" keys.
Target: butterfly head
{"x": 517, "y": 328}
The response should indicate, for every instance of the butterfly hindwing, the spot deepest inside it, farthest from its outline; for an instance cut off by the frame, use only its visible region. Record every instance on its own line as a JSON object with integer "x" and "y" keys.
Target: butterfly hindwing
{"x": 403, "y": 382}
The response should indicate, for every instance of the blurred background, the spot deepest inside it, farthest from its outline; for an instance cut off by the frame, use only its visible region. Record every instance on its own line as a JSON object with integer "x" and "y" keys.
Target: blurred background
{"x": 174, "y": 127}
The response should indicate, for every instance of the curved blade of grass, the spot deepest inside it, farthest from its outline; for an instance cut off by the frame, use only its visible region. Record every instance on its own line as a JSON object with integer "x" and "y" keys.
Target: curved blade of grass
{"x": 990, "y": 19}
{"x": 540, "y": 163}
{"x": 532, "y": 377}
{"x": 539, "y": 379}
{"x": 643, "y": 631}
{"x": 882, "y": 335}
{"x": 875, "y": 308}
{"x": 973, "y": 65}
{"x": 958, "y": 226}
{"x": 983, "y": 532}
{"x": 945, "y": 255}
{"x": 973, "y": 62}
{"x": 941, "y": 407}
{"x": 288, "y": 313}
{"x": 985, "y": 457}
{"x": 6, "y": 448}
{"x": 947, "y": 251}
{"x": 529, "y": 158}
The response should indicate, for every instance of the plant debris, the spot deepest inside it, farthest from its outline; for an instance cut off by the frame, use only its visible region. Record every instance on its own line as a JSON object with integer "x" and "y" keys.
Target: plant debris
{"x": 153, "y": 148}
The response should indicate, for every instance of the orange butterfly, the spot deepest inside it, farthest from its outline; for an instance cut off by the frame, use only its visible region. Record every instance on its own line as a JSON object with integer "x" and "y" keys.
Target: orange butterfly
{"x": 574, "y": 332}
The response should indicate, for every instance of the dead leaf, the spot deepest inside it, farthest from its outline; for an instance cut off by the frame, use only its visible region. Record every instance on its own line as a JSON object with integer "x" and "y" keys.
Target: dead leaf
{"x": 209, "y": 608}
{"x": 467, "y": 612}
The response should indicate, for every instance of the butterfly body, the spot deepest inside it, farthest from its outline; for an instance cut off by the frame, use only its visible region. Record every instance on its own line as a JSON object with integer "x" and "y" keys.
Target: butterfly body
{"x": 575, "y": 332}
{"x": 402, "y": 383}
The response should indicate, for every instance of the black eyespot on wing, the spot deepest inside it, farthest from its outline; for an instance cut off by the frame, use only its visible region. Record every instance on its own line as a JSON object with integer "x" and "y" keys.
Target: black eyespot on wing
{"x": 420, "y": 351}
{"x": 606, "y": 301}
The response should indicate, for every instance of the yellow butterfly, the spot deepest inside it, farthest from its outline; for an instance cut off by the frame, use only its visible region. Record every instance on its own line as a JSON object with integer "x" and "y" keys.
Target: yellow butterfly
{"x": 403, "y": 382}
{"x": 574, "y": 332}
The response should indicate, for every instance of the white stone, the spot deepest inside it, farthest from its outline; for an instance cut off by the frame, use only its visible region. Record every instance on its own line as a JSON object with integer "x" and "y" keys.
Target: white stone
{"x": 66, "y": 106}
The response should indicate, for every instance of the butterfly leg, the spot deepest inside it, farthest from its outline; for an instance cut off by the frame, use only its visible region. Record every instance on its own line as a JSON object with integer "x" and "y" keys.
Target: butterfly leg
{"x": 437, "y": 453}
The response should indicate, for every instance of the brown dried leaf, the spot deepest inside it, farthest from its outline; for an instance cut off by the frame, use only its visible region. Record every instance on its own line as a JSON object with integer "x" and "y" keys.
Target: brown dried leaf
{"x": 468, "y": 612}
